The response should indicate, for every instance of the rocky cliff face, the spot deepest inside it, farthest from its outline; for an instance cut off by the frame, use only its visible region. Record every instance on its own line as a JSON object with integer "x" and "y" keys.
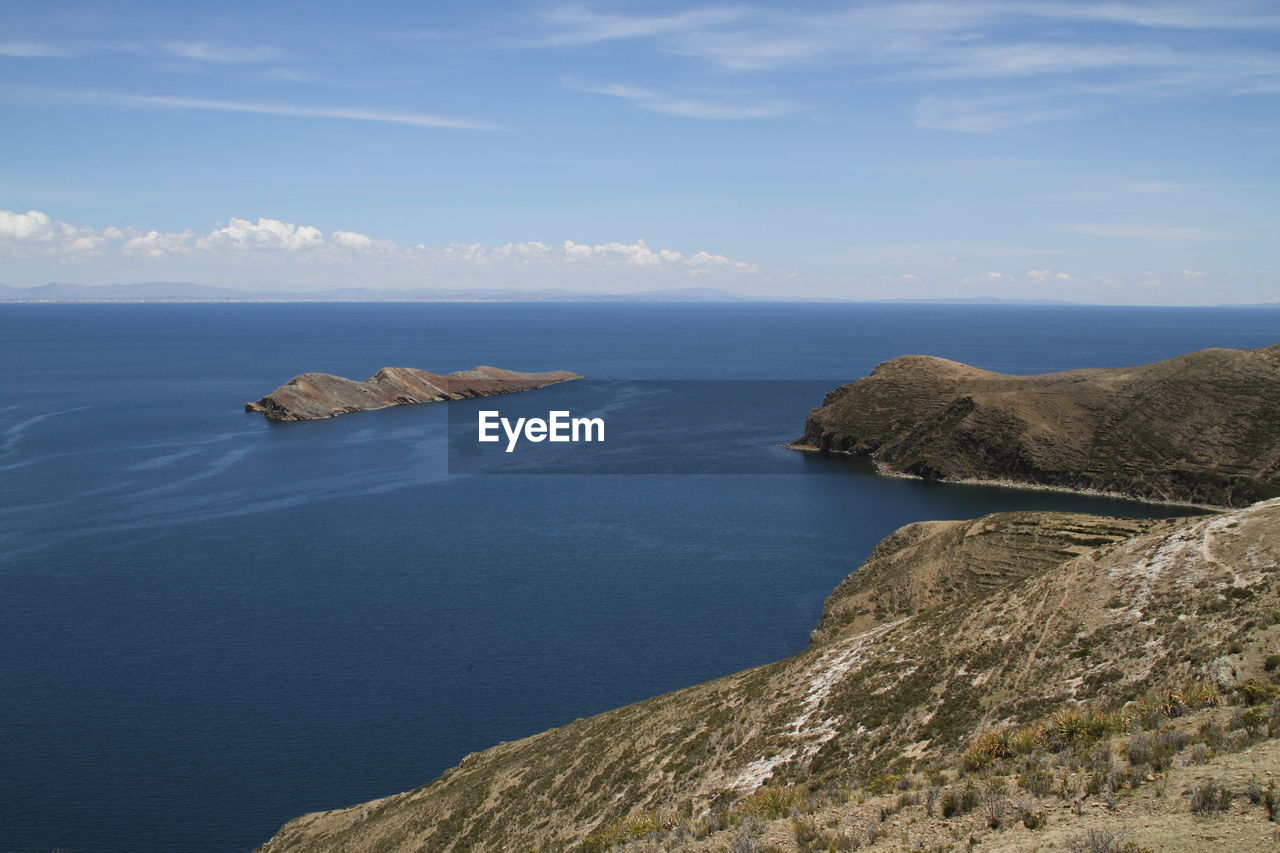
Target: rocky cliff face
{"x": 1201, "y": 428}
{"x": 949, "y": 629}
{"x": 309, "y": 396}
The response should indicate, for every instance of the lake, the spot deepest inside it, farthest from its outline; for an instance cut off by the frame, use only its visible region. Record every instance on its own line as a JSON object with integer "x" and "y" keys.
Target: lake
{"x": 211, "y": 623}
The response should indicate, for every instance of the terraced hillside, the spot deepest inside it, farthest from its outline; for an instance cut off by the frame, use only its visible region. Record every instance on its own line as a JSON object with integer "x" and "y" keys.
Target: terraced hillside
{"x": 951, "y": 630}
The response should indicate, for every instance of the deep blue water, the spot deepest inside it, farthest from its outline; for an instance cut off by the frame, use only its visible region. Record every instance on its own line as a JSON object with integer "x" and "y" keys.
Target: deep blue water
{"x": 210, "y": 624}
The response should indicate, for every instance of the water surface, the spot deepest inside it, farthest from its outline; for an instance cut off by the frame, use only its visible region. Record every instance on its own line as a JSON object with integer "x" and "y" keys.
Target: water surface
{"x": 211, "y": 624}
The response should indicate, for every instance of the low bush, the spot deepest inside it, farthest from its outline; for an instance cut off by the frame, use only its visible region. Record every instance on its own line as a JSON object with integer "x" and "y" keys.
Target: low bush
{"x": 1210, "y": 797}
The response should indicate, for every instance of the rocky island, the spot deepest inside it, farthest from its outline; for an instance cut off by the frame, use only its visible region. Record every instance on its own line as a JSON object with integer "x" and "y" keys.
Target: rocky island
{"x": 310, "y": 396}
{"x": 1202, "y": 428}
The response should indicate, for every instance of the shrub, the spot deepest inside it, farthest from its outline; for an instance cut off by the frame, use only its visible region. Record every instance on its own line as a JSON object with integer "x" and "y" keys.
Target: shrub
{"x": 1036, "y": 780}
{"x": 1253, "y": 720}
{"x": 841, "y": 841}
{"x": 1098, "y": 841}
{"x": 1255, "y": 691}
{"x": 1209, "y": 797}
{"x": 771, "y": 803}
{"x": 1029, "y": 816}
{"x": 959, "y": 802}
{"x": 993, "y": 797}
{"x": 1213, "y": 735}
{"x": 1272, "y": 663}
{"x": 744, "y": 843}
{"x": 1025, "y": 740}
{"x": 804, "y": 832}
{"x": 882, "y": 784}
{"x": 1141, "y": 748}
{"x": 988, "y": 748}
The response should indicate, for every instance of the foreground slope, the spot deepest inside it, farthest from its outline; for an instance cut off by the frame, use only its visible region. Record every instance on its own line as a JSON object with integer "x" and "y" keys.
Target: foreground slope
{"x": 950, "y": 628}
{"x": 310, "y": 396}
{"x": 1200, "y": 428}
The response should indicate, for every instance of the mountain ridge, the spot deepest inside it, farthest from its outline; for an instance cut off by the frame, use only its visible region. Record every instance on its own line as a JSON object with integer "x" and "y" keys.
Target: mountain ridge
{"x": 1201, "y": 428}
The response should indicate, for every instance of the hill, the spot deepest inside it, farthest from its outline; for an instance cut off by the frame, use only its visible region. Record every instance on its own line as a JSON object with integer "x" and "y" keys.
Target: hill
{"x": 1202, "y": 428}
{"x": 961, "y": 655}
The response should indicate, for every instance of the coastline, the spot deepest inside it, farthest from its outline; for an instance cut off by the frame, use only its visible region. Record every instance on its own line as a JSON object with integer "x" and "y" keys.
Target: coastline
{"x": 883, "y": 470}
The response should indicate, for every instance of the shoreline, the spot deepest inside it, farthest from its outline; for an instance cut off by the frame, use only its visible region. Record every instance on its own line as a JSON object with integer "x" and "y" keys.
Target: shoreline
{"x": 883, "y": 470}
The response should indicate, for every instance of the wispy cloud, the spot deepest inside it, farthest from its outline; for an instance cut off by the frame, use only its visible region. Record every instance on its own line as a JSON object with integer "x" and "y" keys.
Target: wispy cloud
{"x": 736, "y": 107}
{"x": 172, "y": 102}
{"x": 1080, "y": 50}
{"x": 207, "y": 52}
{"x": 1223, "y": 14}
{"x": 355, "y": 114}
{"x": 1142, "y": 232}
{"x": 987, "y": 114}
{"x": 34, "y": 50}
{"x": 580, "y": 25}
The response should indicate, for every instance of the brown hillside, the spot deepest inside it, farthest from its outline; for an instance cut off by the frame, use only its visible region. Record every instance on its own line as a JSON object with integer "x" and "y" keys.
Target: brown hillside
{"x": 1018, "y": 616}
{"x": 1202, "y": 428}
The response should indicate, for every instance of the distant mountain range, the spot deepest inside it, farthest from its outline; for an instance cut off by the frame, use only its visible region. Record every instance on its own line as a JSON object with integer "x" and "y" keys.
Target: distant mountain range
{"x": 185, "y": 291}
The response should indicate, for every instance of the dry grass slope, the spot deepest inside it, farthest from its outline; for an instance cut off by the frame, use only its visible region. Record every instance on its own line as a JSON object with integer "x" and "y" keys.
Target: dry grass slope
{"x": 1015, "y": 624}
{"x": 1201, "y": 428}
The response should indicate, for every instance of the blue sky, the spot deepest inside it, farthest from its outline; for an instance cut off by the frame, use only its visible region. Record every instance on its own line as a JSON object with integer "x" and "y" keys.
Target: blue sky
{"x": 1095, "y": 151}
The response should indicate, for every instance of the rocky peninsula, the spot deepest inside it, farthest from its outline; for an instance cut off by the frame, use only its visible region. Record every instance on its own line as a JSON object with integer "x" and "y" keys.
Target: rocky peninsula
{"x": 1013, "y": 682}
{"x": 1202, "y": 428}
{"x": 310, "y": 396}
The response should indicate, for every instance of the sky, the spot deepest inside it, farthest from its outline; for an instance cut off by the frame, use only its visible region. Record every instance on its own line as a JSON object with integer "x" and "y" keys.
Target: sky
{"x": 1111, "y": 152}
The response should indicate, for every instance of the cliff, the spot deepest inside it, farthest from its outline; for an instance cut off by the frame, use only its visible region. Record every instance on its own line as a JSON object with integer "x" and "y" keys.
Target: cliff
{"x": 949, "y": 631}
{"x": 1202, "y": 428}
{"x": 309, "y": 396}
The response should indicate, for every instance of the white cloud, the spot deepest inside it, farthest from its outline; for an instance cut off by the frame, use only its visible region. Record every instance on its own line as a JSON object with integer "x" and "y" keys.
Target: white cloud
{"x": 579, "y": 25}
{"x": 25, "y": 94}
{"x": 724, "y": 107}
{"x": 638, "y": 254}
{"x": 352, "y": 239}
{"x": 33, "y": 50}
{"x": 265, "y": 234}
{"x": 1141, "y": 50}
{"x": 1049, "y": 276}
{"x": 37, "y": 233}
{"x": 986, "y": 115}
{"x": 1142, "y": 232}
{"x": 417, "y": 119}
{"x": 206, "y": 52}
{"x": 989, "y": 278}
{"x": 262, "y": 241}
{"x": 24, "y": 227}
{"x": 154, "y": 244}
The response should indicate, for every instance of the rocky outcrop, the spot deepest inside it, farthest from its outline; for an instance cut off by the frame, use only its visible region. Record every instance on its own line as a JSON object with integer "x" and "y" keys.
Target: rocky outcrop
{"x": 1202, "y": 428}
{"x": 996, "y": 621}
{"x": 309, "y": 396}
